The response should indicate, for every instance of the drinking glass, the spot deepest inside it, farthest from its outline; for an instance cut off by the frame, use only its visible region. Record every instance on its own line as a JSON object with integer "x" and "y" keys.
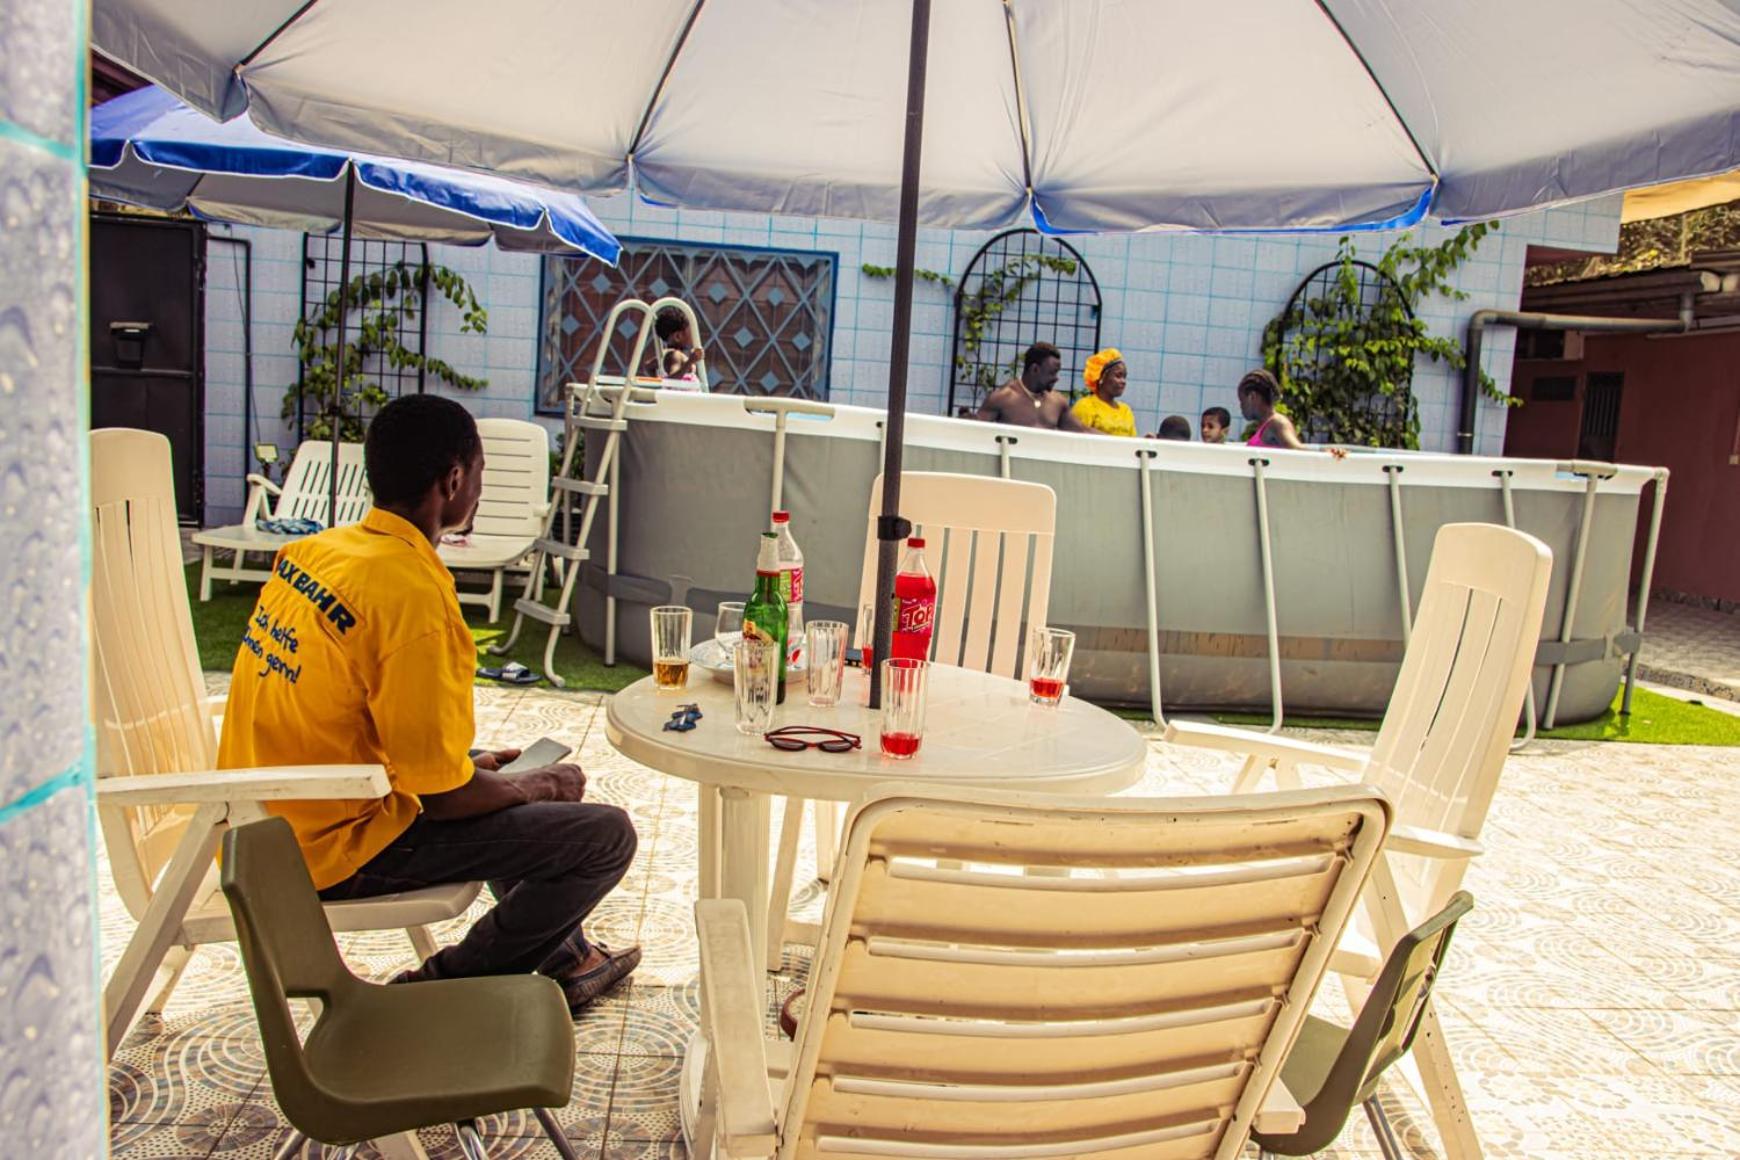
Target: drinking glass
{"x": 755, "y": 679}
{"x": 827, "y": 661}
{"x": 671, "y": 625}
{"x": 728, "y": 629}
{"x": 1048, "y": 653}
{"x": 903, "y": 695}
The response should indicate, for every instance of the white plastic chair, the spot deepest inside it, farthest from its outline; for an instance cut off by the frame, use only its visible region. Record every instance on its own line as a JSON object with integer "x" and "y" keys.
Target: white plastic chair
{"x": 988, "y": 543}
{"x": 162, "y": 804}
{"x": 1438, "y": 756}
{"x": 305, "y": 495}
{"x": 1142, "y": 1010}
{"x": 510, "y": 514}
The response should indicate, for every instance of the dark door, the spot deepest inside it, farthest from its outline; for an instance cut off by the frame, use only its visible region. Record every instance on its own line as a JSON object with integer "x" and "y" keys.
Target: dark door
{"x": 1600, "y": 433}
{"x": 147, "y": 303}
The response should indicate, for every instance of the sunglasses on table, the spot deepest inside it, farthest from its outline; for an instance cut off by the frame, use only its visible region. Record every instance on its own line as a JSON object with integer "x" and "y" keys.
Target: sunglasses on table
{"x": 794, "y": 738}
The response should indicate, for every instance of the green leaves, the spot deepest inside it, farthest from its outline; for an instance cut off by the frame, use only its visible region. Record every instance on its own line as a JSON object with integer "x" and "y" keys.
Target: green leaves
{"x": 380, "y": 304}
{"x": 1345, "y": 352}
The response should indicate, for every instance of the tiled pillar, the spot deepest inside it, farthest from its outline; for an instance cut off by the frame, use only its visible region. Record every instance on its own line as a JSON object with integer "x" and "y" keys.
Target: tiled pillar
{"x": 51, "y": 1074}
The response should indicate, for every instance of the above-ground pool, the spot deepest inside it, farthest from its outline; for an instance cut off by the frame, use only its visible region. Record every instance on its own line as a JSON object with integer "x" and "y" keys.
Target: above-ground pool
{"x": 697, "y": 474}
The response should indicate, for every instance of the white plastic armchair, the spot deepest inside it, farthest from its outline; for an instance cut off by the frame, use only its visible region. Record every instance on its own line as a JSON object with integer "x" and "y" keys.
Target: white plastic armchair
{"x": 162, "y": 804}
{"x": 970, "y": 524}
{"x": 511, "y": 511}
{"x": 306, "y": 494}
{"x": 966, "y": 1008}
{"x": 1438, "y": 755}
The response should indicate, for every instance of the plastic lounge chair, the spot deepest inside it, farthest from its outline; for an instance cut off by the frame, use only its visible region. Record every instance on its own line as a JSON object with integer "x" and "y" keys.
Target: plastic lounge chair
{"x": 161, "y": 801}
{"x": 382, "y": 1061}
{"x": 1331, "y": 1069}
{"x": 1438, "y": 756}
{"x": 510, "y": 514}
{"x": 305, "y": 495}
{"x": 984, "y": 1011}
{"x": 966, "y": 519}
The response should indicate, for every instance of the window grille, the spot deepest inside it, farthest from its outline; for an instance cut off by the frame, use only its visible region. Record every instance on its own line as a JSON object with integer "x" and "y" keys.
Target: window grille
{"x": 321, "y": 256}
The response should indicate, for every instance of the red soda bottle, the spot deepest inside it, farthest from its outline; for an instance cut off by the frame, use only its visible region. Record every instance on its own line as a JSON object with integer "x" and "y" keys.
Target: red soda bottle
{"x": 914, "y": 605}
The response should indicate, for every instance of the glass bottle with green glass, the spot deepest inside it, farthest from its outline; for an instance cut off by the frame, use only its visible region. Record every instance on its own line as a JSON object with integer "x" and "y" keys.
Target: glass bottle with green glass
{"x": 765, "y": 615}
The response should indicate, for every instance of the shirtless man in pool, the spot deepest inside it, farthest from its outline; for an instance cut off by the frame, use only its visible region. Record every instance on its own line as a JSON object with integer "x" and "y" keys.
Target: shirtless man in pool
{"x": 1029, "y": 401}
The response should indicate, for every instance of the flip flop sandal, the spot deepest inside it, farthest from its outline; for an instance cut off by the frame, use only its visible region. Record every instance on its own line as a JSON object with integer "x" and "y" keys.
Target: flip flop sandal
{"x": 512, "y": 673}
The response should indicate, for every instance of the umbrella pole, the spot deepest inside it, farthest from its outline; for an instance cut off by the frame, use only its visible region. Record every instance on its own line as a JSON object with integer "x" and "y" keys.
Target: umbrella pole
{"x": 335, "y": 413}
{"x": 890, "y": 529}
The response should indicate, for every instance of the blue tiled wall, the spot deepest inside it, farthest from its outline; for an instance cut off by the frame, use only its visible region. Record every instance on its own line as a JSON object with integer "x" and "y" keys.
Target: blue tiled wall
{"x": 1186, "y": 310}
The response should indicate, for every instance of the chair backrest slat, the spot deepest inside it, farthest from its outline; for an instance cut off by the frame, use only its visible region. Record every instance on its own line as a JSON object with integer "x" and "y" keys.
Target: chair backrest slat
{"x": 149, "y": 693}
{"x": 989, "y": 541}
{"x": 957, "y": 997}
{"x": 307, "y": 489}
{"x": 1459, "y": 695}
{"x": 516, "y": 478}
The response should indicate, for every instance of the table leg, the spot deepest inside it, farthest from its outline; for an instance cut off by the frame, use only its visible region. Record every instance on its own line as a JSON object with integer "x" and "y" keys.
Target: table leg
{"x": 707, "y": 840}
{"x": 745, "y": 819}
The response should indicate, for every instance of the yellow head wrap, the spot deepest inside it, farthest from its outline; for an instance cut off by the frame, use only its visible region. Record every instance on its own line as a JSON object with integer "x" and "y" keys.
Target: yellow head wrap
{"x": 1096, "y": 366}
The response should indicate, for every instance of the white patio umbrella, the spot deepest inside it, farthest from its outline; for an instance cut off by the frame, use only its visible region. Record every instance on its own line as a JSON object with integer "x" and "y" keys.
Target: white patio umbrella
{"x": 1081, "y": 114}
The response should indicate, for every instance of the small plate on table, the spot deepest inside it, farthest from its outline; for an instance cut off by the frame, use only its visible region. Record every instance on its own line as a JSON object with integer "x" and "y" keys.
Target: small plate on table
{"x": 711, "y": 657}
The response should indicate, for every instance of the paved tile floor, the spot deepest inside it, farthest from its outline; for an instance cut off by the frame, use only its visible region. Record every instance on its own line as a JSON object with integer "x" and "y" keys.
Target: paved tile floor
{"x": 1592, "y": 999}
{"x": 1694, "y": 648}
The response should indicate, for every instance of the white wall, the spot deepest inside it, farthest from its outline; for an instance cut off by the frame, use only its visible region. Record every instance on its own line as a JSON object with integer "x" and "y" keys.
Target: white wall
{"x": 53, "y": 1100}
{"x": 1186, "y": 310}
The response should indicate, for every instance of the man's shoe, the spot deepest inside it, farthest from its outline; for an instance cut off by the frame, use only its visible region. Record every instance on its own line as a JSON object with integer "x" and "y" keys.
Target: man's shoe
{"x": 582, "y": 989}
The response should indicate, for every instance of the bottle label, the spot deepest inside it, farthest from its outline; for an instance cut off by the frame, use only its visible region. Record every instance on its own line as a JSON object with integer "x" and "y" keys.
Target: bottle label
{"x": 915, "y": 614}
{"x": 791, "y": 585}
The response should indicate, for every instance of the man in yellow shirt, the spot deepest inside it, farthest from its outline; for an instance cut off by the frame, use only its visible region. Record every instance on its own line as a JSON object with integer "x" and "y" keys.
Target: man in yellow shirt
{"x": 357, "y": 653}
{"x": 1106, "y": 376}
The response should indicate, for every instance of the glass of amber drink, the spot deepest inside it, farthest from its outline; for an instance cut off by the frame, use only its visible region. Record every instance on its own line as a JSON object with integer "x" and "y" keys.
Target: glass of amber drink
{"x": 671, "y": 626}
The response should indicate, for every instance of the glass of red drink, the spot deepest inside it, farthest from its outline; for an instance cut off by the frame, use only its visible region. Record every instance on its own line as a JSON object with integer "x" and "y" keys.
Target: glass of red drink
{"x": 904, "y": 683}
{"x": 1048, "y": 654}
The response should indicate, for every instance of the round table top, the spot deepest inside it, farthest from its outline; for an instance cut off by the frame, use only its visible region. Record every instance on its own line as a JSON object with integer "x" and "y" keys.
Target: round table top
{"x": 979, "y": 729}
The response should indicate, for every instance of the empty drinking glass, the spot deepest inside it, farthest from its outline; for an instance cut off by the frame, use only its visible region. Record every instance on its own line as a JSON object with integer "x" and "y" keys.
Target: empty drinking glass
{"x": 728, "y": 628}
{"x": 1048, "y": 653}
{"x": 754, "y": 680}
{"x": 671, "y": 625}
{"x": 903, "y": 695}
{"x": 827, "y": 661}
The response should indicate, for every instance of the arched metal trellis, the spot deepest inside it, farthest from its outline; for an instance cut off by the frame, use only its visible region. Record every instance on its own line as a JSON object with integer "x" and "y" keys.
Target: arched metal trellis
{"x": 1364, "y": 399}
{"x": 1021, "y": 287}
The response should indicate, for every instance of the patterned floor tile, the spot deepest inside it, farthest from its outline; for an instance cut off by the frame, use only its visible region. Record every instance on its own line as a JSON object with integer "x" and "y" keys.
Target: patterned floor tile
{"x": 1592, "y": 1000}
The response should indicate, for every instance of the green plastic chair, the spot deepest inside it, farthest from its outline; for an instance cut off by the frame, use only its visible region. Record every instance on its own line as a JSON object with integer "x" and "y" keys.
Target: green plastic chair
{"x": 1331, "y": 1069}
{"x": 383, "y": 1060}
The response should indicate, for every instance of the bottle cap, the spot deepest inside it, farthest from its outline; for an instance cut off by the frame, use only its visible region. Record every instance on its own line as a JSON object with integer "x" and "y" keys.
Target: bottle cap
{"x": 915, "y": 542}
{"x": 782, "y": 517}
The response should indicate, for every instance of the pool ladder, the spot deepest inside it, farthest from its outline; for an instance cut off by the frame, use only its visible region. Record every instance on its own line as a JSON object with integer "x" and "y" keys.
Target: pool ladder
{"x": 598, "y": 405}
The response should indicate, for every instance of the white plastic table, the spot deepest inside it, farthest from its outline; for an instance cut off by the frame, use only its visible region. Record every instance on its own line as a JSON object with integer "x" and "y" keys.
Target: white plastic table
{"x": 979, "y": 729}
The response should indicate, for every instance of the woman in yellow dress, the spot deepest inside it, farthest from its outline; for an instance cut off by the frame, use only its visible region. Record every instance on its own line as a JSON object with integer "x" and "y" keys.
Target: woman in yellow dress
{"x": 1106, "y": 376}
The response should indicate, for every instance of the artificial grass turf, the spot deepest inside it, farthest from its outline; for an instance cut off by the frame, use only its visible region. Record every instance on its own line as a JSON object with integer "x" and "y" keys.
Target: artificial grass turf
{"x": 218, "y": 625}
{"x": 1655, "y": 719}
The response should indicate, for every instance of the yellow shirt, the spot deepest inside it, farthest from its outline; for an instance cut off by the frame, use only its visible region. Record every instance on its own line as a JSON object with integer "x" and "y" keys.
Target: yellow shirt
{"x": 1112, "y": 418}
{"x": 356, "y": 653}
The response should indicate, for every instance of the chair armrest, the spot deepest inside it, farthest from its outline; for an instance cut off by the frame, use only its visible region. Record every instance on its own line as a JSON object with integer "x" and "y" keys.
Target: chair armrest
{"x": 1280, "y": 1113}
{"x": 257, "y": 508}
{"x": 731, "y": 1020}
{"x": 215, "y": 706}
{"x": 1431, "y": 843}
{"x": 1265, "y": 745}
{"x": 269, "y": 784}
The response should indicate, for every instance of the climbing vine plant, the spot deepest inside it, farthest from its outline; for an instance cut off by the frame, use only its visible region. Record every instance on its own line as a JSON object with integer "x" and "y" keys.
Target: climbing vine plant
{"x": 996, "y": 292}
{"x": 380, "y": 304}
{"x": 1344, "y": 349}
